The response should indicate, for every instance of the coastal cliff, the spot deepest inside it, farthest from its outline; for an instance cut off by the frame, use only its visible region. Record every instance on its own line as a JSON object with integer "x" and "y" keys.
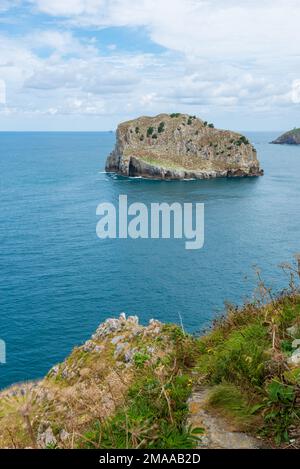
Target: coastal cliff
{"x": 289, "y": 138}
{"x": 179, "y": 146}
{"x": 155, "y": 386}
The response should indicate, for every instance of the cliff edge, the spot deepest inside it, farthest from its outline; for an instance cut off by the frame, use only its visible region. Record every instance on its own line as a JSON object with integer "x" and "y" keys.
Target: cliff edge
{"x": 155, "y": 386}
{"x": 179, "y": 146}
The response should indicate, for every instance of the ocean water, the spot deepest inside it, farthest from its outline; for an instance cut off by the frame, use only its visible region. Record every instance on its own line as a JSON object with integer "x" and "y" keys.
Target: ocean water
{"x": 58, "y": 281}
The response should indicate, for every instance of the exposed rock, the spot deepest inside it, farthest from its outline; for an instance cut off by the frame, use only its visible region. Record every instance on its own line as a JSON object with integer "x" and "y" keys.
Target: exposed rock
{"x": 293, "y": 331}
{"x": 99, "y": 348}
{"x": 45, "y": 437}
{"x": 64, "y": 435}
{"x": 122, "y": 317}
{"x": 295, "y": 358}
{"x": 296, "y": 343}
{"x": 290, "y": 138}
{"x": 89, "y": 346}
{"x": 54, "y": 370}
{"x": 109, "y": 326}
{"x": 180, "y": 147}
{"x": 218, "y": 434}
{"x": 67, "y": 374}
{"x": 133, "y": 320}
{"x": 129, "y": 355}
{"x": 117, "y": 339}
{"x": 120, "y": 349}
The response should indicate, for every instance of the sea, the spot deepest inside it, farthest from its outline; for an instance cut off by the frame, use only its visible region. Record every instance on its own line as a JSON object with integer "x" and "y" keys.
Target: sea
{"x": 59, "y": 281}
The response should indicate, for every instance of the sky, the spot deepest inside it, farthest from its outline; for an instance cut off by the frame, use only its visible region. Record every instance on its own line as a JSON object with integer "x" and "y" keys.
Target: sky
{"x": 90, "y": 64}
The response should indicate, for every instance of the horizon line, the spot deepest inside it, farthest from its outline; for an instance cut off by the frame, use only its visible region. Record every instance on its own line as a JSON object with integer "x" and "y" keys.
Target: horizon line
{"x": 114, "y": 130}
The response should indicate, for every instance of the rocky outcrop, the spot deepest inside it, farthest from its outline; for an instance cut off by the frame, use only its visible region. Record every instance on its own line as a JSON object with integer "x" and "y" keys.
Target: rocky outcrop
{"x": 289, "y": 138}
{"x": 294, "y": 359}
{"x": 90, "y": 384}
{"x": 179, "y": 146}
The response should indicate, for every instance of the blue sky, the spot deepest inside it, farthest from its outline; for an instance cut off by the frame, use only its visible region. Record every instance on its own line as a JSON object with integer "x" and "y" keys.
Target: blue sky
{"x": 89, "y": 64}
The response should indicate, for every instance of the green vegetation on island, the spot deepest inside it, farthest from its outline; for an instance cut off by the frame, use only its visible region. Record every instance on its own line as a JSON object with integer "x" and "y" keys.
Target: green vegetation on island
{"x": 180, "y": 146}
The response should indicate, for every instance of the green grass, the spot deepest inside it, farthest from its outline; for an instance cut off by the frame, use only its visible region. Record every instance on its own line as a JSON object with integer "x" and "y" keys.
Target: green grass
{"x": 141, "y": 358}
{"x": 166, "y": 164}
{"x": 240, "y": 358}
{"x": 232, "y": 402}
{"x": 155, "y": 410}
{"x": 243, "y": 360}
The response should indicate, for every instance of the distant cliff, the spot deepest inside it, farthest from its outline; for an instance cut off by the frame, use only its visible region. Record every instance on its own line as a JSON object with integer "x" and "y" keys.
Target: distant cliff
{"x": 179, "y": 146}
{"x": 290, "y": 138}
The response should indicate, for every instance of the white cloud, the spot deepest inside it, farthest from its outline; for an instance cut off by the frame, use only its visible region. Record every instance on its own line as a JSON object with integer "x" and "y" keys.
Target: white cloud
{"x": 2, "y": 92}
{"x": 88, "y": 83}
{"x": 69, "y": 7}
{"x": 234, "y": 56}
{"x": 202, "y": 27}
{"x": 295, "y": 94}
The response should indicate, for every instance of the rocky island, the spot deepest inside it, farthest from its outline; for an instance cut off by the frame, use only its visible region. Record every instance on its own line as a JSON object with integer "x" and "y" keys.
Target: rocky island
{"x": 290, "y": 138}
{"x": 179, "y": 146}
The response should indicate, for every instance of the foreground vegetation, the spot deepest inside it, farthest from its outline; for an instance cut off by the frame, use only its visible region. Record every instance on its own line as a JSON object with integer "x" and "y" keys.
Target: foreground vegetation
{"x": 128, "y": 387}
{"x": 244, "y": 360}
{"x": 155, "y": 409}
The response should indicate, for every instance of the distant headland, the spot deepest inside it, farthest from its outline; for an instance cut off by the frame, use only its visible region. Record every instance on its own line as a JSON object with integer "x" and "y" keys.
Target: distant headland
{"x": 292, "y": 137}
{"x": 180, "y": 146}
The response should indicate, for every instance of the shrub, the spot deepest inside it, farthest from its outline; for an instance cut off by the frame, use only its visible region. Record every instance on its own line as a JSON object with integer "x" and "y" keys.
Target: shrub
{"x": 175, "y": 114}
{"x": 240, "y": 359}
{"x": 242, "y": 140}
{"x": 286, "y": 347}
{"x": 140, "y": 359}
{"x": 280, "y": 411}
{"x": 161, "y": 127}
{"x": 150, "y": 131}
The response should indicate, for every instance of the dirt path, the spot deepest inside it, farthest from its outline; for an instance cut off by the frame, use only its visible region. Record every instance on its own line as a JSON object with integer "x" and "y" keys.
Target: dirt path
{"x": 218, "y": 433}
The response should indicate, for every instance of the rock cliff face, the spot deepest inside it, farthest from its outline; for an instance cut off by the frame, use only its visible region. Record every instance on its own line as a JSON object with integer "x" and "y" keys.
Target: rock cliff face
{"x": 179, "y": 146}
{"x": 290, "y": 138}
